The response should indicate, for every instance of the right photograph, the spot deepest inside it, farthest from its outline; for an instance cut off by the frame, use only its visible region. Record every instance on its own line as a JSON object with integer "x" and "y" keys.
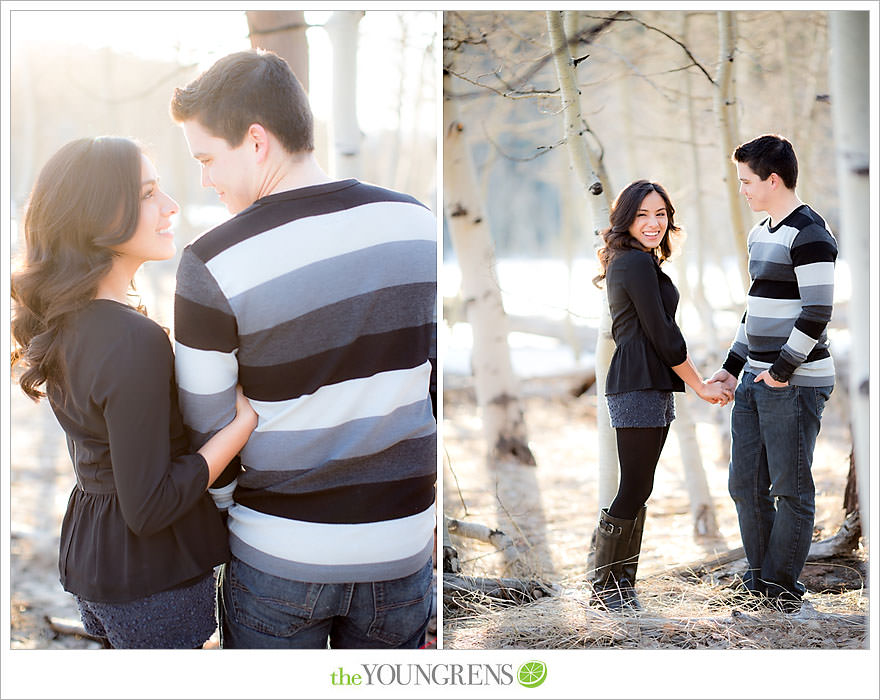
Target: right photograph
{"x": 655, "y": 342}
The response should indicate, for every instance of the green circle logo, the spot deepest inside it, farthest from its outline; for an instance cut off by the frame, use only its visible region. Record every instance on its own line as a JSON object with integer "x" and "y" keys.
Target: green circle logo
{"x": 531, "y": 674}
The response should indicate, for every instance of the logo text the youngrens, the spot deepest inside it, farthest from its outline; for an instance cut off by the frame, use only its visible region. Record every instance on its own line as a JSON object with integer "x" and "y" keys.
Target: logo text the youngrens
{"x": 425, "y": 674}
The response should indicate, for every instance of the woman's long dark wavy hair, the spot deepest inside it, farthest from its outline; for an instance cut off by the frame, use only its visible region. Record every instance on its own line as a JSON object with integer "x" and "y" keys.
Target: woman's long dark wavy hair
{"x": 86, "y": 199}
{"x": 623, "y": 213}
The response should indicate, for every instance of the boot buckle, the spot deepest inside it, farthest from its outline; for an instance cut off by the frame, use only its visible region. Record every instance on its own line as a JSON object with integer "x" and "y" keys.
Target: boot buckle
{"x": 609, "y": 528}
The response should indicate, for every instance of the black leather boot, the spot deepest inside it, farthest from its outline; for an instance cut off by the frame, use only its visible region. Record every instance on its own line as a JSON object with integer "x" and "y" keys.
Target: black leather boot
{"x": 630, "y": 564}
{"x": 611, "y": 589}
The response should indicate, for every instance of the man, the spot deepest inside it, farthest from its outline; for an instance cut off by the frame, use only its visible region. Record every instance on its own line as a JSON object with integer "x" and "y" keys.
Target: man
{"x": 318, "y": 297}
{"x": 788, "y": 373}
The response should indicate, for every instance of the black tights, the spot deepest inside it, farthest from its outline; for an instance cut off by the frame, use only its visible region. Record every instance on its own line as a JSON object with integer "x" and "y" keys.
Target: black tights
{"x": 638, "y": 451}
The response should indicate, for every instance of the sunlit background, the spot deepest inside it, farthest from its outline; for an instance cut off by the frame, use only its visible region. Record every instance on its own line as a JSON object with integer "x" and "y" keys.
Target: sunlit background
{"x": 88, "y": 72}
{"x": 72, "y": 73}
{"x": 78, "y": 73}
{"x": 391, "y": 46}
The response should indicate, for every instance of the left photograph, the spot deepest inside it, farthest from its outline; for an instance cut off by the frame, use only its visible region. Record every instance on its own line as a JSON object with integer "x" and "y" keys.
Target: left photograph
{"x": 223, "y": 269}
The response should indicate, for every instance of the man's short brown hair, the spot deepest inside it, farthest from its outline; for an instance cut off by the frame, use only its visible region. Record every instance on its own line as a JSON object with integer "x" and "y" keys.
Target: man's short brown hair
{"x": 244, "y": 88}
{"x": 767, "y": 154}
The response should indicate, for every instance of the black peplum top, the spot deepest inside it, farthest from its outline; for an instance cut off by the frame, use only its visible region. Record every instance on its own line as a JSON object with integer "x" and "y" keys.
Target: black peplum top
{"x": 139, "y": 520}
{"x": 643, "y": 301}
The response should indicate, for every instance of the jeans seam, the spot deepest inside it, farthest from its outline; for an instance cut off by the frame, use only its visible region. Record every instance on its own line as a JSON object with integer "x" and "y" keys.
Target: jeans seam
{"x": 756, "y": 493}
{"x": 375, "y": 629}
{"x": 757, "y": 514}
{"x": 799, "y": 521}
{"x": 797, "y": 498}
{"x": 404, "y": 603}
{"x": 282, "y": 602}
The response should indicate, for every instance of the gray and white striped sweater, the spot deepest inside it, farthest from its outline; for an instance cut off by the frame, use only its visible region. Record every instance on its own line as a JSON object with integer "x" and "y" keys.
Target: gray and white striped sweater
{"x": 789, "y": 304}
{"x": 321, "y": 303}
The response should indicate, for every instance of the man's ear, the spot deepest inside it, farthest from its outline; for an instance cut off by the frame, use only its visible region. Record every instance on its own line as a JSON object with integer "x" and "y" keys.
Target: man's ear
{"x": 258, "y": 141}
{"x": 775, "y": 181}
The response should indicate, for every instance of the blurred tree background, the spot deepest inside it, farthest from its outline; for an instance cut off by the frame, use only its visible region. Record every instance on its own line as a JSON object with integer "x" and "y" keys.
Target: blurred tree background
{"x": 76, "y": 73}
{"x": 85, "y": 73}
{"x": 640, "y": 74}
{"x": 663, "y": 95}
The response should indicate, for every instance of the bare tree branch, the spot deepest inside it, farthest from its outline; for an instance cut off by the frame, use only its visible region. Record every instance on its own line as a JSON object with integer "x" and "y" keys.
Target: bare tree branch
{"x": 512, "y": 93}
{"x": 631, "y": 18}
{"x": 457, "y": 485}
{"x": 454, "y": 43}
{"x": 95, "y": 96}
{"x": 542, "y": 150}
{"x": 585, "y": 37}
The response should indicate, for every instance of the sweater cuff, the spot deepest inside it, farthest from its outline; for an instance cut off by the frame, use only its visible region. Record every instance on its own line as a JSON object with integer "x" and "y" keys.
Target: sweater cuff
{"x": 229, "y": 473}
{"x": 733, "y": 364}
{"x": 781, "y": 370}
{"x": 223, "y": 496}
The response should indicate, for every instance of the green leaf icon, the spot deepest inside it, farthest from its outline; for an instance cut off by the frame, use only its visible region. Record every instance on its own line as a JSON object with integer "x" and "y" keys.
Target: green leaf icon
{"x": 531, "y": 674}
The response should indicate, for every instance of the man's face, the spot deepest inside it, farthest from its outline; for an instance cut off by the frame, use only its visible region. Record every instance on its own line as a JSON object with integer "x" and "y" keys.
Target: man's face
{"x": 756, "y": 191}
{"x": 230, "y": 171}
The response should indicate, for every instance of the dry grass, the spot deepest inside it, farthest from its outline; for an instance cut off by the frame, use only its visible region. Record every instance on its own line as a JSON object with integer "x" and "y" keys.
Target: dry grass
{"x": 676, "y": 614}
{"x": 549, "y": 511}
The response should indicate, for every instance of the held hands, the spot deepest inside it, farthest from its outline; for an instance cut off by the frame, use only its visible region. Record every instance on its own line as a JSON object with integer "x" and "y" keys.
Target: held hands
{"x": 725, "y": 381}
{"x": 715, "y": 392}
{"x": 724, "y": 377}
{"x": 244, "y": 412}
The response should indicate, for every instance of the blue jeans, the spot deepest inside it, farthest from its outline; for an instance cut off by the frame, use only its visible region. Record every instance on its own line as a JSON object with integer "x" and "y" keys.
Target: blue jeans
{"x": 774, "y": 433}
{"x": 259, "y": 611}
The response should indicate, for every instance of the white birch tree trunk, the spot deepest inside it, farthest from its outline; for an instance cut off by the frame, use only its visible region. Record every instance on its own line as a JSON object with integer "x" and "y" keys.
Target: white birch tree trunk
{"x": 572, "y": 223}
{"x": 570, "y": 220}
{"x": 850, "y": 111}
{"x": 587, "y": 168}
{"x": 805, "y": 123}
{"x": 342, "y": 27}
{"x": 494, "y": 381}
{"x": 609, "y": 467}
{"x": 728, "y": 126}
{"x": 393, "y": 163}
{"x": 697, "y": 239}
{"x": 25, "y": 148}
{"x": 789, "y": 103}
{"x": 684, "y": 426}
{"x": 283, "y": 32}
{"x": 407, "y": 173}
{"x": 702, "y": 505}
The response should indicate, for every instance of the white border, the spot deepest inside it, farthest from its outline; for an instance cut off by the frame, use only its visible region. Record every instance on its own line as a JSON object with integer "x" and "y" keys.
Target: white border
{"x": 580, "y": 673}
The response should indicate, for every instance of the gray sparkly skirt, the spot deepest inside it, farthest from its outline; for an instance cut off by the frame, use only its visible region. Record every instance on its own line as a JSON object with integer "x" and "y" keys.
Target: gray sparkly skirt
{"x": 177, "y": 618}
{"x": 641, "y": 409}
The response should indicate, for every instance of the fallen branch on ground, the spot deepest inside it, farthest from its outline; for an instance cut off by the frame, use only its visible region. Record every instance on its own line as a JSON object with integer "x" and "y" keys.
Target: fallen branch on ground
{"x": 477, "y": 531}
{"x": 844, "y": 541}
{"x": 457, "y": 588}
{"x": 703, "y": 566}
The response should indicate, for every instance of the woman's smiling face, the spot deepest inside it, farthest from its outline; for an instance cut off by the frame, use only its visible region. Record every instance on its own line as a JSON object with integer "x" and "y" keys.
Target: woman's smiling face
{"x": 153, "y": 238}
{"x": 651, "y": 222}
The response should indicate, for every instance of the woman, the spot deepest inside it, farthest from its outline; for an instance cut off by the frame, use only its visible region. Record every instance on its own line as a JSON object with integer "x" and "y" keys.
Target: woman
{"x": 649, "y": 363}
{"x": 141, "y": 535}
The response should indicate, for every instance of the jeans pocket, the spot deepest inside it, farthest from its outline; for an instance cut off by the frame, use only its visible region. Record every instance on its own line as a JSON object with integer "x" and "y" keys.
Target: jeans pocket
{"x": 266, "y": 603}
{"x": 403, "y": 606}
{"x": 822, "y": 394}
{"x": 779, "y": 389}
